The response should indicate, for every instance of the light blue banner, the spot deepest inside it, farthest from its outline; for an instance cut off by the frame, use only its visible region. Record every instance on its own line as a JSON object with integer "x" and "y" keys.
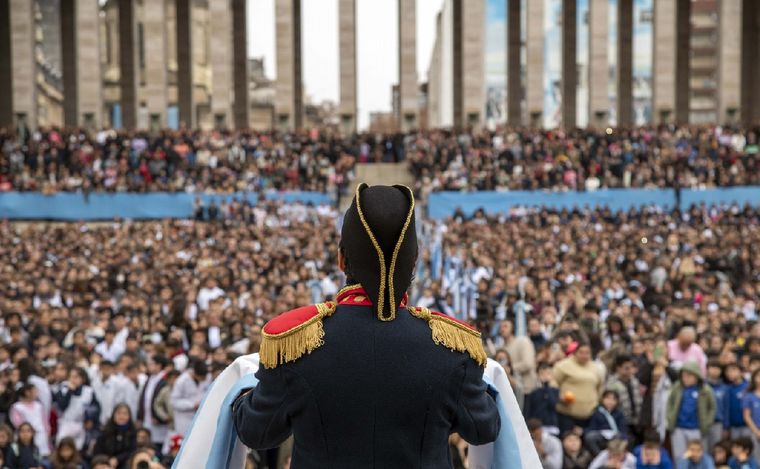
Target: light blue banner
{"x": 99, "y": 206}
{"x": 443, "y": 204}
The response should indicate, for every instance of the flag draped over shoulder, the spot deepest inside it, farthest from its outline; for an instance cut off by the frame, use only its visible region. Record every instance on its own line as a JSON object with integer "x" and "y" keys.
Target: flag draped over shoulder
{"x": 212, "y": 443}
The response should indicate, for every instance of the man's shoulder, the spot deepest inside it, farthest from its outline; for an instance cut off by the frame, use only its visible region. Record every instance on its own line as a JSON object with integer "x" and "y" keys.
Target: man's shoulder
{"x": 452, "y": 333}
{"x": 293, "y": 334}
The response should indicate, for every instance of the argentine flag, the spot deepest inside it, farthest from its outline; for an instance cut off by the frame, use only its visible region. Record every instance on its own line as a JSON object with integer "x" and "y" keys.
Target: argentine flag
{"x": 211, "y": 442}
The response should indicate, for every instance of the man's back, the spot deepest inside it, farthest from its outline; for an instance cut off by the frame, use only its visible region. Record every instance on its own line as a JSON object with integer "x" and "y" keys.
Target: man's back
{"x": 376, "y": 394}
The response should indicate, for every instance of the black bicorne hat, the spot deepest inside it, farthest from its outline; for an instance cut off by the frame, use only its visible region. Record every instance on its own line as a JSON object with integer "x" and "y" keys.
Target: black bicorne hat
{"x": 380, "y": 244}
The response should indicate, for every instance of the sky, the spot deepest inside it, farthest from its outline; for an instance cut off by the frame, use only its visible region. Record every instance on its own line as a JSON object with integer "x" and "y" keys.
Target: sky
{"x": 377, "y": 42}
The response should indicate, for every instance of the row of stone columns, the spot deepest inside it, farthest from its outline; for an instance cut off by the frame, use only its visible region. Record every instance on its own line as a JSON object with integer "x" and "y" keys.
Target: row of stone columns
{"x": 739, "y": 56}
{"x": 81, "y": 66}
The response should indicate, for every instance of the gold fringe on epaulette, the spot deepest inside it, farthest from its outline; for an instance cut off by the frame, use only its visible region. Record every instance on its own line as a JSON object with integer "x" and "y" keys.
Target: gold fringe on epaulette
{"x": 291, "y": 345}
{"x": 453, "y": 335}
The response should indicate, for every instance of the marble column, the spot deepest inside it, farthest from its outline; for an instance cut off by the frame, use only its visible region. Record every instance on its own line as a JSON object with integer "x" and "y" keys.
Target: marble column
{"x": 156, "y": 57}
{"x": 407, "y": 64}
{"x": 240, "y": 63}
{"x": 220, "y": 49}
{"x": 625, "y": 116}
{"x": 683, "y": 62}
{"x": 128, "y": 63}
{"x": 750, "y": 63}
{"x": 473, "y": 62}
{"x": 89, "y": 74}
{"x": 184, "y": 28}
{"x": 347, "y": 50}
{"x": 289, "y": 86}
{"x": 664, "y": 62}
{"x": 23, "y": 65}
{"x": 514, "y": 86}
{"x": 730, "y": 63}
{"x": 534, "y": 71}
{"x": 569, "y": 63}
{"x": 598, "y": 67}
{"x": 6, "y": 82}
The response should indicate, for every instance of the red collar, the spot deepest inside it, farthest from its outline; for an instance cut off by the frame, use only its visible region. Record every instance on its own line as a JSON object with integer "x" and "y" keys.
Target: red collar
{"x": 355, "y": 295}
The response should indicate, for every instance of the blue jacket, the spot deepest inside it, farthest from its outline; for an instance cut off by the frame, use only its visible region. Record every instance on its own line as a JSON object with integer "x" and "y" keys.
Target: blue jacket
{"x": 705, "y": 463}
{"x": 720, "y": 390}
{"x": 733, "y": 405}
{"x": 665, "y": 461}
{"x": 540, "y": 404}
{"x": 748, "y": 464}
{"x": 599, "y": 422}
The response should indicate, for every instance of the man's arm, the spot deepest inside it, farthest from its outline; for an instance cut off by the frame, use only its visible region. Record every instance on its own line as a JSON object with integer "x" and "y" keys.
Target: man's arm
{"x": 477, "y": 417}
{"x": 261, "y": 414}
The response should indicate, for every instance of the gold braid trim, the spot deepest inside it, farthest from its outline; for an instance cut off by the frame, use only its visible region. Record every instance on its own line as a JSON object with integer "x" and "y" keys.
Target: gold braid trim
{"x": 289, "y": 346}
{"x": 391, "y": 292}
{"x": 380, "y": 256}
{"x": 452, "y": 335}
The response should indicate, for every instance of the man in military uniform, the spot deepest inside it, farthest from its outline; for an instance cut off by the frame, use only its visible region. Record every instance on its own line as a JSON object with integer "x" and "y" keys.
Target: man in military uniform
{"x": 368, "y": 381}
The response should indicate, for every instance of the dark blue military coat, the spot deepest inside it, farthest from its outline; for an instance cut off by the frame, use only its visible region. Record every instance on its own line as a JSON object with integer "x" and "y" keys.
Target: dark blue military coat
{"x": 357, "y": 392}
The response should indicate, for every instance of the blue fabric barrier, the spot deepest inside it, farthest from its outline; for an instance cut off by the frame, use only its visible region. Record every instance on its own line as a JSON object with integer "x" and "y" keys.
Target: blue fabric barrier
{"x": 99, "y": 206}
{"x": 443, "y": 204}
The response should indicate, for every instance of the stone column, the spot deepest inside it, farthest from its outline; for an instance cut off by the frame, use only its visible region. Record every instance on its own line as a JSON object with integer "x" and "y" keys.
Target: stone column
{"x": 473, "y": 61}
{"x": 6, "y": 82}
{"x": 128, "y": 63}
{"x": 750, "y": 63}
{"x": 23, "y": 65}
{"x": 240, "y": 63}
{"x": 683, "y": 65}
{"x": 730, "y": 65}
{"x": 185, "y": 106}
{"x": 598, "y": 66}
{"x": 347, "y": 50}
{"x": 407, "y": 64}
{"x": 220, "y": 45}
{"x": 514, "y": 86}
{"x": 456, "y": 39}
{"x": 68, "y": 12}
{"x": 569, "y": 63}
{"x": 156, "y": 75}
{"x": 664, "y": 61}
{"x": 288, "y": 88}
{"x": 534, "y": 72}
{"x": 89, "y": 75}
{"x": 625, "y": 64}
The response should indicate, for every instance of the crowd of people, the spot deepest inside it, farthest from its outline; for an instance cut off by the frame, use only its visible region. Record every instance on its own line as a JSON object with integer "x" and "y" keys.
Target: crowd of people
{"x": 54, "y": 160}
{"x": 631, "y": 339}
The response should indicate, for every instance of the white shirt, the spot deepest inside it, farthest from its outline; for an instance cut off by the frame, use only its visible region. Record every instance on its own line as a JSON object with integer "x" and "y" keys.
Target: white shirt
{"x": 109, "y": 352}
{"x": 186, "y": 395}
{"x": 206, "y": 295}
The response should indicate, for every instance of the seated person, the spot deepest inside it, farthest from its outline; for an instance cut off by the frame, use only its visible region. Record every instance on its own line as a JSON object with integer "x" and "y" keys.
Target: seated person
{"x": 695, "y": 457}
{"x": 651, "y": 454}
{"x": 741, "y": 454}
{"x": 575, "y": 456}
{"x": 606, "y": 423}
{"x": 615, "y": 456}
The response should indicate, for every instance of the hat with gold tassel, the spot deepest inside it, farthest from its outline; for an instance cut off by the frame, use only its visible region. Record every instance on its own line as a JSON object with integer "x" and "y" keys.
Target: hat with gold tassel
{"x": 379, "y": 244}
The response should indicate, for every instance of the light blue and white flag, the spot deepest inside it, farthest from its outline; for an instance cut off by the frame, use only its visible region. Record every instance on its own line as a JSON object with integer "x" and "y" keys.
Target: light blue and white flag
{"x": 212, "y": 443}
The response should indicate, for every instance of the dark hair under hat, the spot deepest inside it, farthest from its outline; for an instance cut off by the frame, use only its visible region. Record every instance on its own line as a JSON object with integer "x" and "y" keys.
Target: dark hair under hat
{"x": 379, "y": 243}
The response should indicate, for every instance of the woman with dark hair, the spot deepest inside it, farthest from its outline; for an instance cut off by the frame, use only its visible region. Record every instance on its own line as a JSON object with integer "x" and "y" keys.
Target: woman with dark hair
{"x": 66, "y": 456}
{"x": 74, "y": 401}
{"x": 119, "y": 437}
{"x": 28, "y": 410}
{"x": 23, "y": 454}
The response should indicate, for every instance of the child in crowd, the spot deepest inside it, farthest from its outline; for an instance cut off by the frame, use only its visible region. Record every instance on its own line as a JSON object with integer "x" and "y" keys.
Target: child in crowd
{"x": 695, "y": 457}
{"x": 615, "y": 456}
{"x": 24, "y": 454}
{"x": 575, "y": 456}
{"x": 741, "y": 454}
{"x": 651, "y": 454}
{"x": 606, "y": 423}
{"x": 736, "y": 386}
{"x": 691, "y": 408}
{"x": 715, "y": 380}
{"x": 541, "y": 402}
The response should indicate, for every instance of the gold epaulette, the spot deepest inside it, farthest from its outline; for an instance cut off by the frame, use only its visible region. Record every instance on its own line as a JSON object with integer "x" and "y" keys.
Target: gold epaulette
{"x": 452, "y": 333}
{"x": 291, "y": 335}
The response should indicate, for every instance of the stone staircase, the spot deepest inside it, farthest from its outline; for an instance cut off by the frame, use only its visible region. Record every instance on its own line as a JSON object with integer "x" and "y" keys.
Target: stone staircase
{"x": 379, "y": 173}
